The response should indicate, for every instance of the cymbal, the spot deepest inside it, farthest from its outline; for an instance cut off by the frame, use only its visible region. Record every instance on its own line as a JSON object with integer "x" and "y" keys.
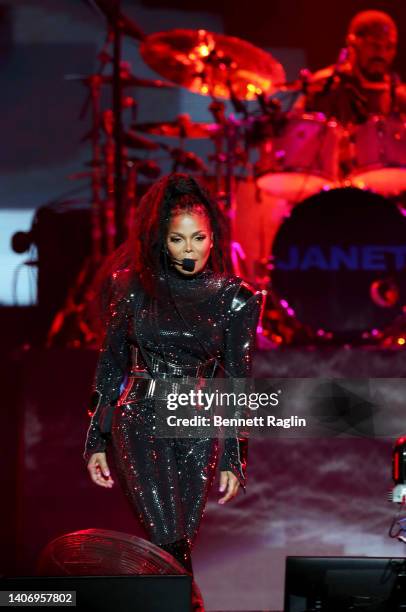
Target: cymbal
{"x": 209, "y": 63}
{"x": 127, "y": 80}
{"x": 182, "y": 127}
{"x": 135, "y": 141}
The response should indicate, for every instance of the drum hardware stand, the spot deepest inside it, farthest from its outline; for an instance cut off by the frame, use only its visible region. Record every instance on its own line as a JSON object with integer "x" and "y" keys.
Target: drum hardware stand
{"x": 228, "y": 132}
{"x": 117, "y": 24}
{"x": 182, "y": 135}
{"x": 217, "y": 109}
{"x": 111, "y": 214}
{"x": 225, "y": 180}
{"x": 94, "y": 83}
{"x": 231, "y": 137}
{"x": 184, "y": 159}
{"x": 135, "y": 167}
{"x": 112, "y": 228}
{"x": 96, "y": 227}
{"x": 118, "y": 200}
{"x": 230, "y": 159}
{"x": 69, "y": 323}
{"x": 272, "y": 110}
{"x": 72, "y": 311}
{"x": 219, "y": 56}
{"x": 132, "y": 167}
{"x": 131, "y": 193}
{"x": 70, "y": 319}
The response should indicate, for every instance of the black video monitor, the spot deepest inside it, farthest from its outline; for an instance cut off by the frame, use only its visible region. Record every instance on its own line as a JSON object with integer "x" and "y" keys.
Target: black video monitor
{"x": 345, "y": 584}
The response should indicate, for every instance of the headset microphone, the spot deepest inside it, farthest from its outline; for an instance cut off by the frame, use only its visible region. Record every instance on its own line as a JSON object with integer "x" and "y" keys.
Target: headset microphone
{"x": 187, "y": 264}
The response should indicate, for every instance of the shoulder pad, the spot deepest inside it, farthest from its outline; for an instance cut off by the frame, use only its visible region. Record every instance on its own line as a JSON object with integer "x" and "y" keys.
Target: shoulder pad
{"x": 242, "y": 295}
{"x": 120, "y": 275}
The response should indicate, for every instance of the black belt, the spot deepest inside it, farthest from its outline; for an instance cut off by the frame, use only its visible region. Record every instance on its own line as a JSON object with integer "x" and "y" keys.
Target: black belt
{"x": 163, "y": 369}
{"x": 142, "y": 386}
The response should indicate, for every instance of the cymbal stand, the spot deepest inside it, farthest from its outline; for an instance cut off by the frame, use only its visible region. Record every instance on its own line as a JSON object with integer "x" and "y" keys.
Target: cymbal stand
{"x": 107, "y": 222}
{"x": 118, "y": 129}
{"x": 109, "y": 162}
{"x": 96, "y": 211}
{"x": 130, "y": 167}
{"x": 217, "y": 109}
{"x": 136, "y": 167}
{"x": 231, "y": 138}
{"x": 225, "y": 141}
{"x": 131, "y": 195}
{"x": 116, "y": 21}
{"x": 94, "y": 83}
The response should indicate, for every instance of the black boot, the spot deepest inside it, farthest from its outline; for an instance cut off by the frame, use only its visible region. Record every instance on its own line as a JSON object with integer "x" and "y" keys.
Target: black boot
{"x": 180, "y": 550}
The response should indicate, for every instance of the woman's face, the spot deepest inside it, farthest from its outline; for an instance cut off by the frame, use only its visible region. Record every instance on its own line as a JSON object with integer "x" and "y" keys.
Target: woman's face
{"x": 189, "y": 236}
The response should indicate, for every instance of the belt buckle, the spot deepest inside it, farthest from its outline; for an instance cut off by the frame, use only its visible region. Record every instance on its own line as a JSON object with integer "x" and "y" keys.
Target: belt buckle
{"x": 151, "y": 388}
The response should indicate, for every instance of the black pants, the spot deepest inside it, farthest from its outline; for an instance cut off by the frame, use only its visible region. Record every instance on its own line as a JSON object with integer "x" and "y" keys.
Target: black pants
{"x": 167, "y": 480}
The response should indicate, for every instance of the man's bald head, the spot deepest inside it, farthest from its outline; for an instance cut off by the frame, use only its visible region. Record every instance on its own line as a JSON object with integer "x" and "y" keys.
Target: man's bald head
{"x": 372, "y": 37}
{"x": 373, "y": 22}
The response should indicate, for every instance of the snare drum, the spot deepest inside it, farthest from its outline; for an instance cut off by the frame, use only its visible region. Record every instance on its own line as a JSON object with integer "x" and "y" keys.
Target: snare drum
{"x": 380, "y": 155}
{"x": 302, "y": 159}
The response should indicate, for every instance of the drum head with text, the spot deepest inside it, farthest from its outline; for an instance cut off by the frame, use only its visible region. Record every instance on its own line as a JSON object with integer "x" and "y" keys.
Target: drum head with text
{"x": 339, "y": 261}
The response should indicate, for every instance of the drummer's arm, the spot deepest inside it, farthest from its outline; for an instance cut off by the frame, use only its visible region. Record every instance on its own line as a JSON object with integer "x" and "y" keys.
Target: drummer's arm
{"x": 307, "y": 102}
{"x": 299, "y": 105}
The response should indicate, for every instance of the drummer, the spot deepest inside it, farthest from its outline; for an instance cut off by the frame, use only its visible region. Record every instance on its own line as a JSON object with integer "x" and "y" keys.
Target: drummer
{"x": 362, "y": 81}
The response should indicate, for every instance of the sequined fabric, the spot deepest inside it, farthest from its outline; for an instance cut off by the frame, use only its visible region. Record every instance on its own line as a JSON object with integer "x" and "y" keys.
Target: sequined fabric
{"x": 167, "y": 480}
{"x": 194, "y": 319}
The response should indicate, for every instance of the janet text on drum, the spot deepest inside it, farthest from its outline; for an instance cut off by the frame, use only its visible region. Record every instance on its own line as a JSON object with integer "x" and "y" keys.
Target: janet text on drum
{"x": 339, "y": 261}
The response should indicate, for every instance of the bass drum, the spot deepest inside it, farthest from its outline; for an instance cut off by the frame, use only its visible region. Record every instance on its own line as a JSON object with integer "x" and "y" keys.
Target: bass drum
{"x": 339, "y": 262}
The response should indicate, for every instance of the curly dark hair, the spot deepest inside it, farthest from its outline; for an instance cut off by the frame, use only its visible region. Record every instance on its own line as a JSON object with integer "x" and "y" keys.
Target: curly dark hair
{"x": 142, "y": 253}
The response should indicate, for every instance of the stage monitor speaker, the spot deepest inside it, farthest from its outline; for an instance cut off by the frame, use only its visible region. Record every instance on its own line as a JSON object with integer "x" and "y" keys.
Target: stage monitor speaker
{"x": 344, "y": 584}
{"x": 109, "y": 593}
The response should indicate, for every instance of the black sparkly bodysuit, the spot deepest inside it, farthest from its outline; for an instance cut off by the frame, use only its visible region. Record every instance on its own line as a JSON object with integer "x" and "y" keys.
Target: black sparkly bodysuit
{"x": 214, "y": 321}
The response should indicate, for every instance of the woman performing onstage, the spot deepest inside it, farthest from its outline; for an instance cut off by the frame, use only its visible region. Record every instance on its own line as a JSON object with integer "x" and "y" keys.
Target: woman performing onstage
{"x": 174, "y": 312}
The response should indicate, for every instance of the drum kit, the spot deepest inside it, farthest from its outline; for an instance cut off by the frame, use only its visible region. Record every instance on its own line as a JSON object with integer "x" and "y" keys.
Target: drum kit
{"x": 337, "y": 267}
